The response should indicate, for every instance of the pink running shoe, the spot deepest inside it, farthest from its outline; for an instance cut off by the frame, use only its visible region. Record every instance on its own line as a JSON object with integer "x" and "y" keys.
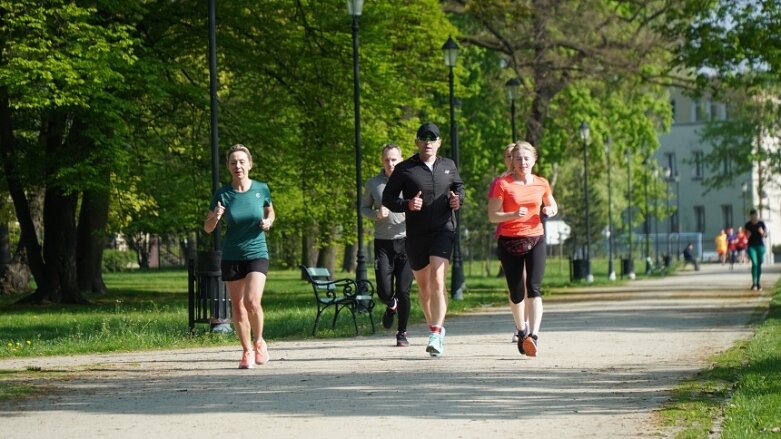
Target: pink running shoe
{"x": 246, "y": 360}
{"x": 261, "y": 352}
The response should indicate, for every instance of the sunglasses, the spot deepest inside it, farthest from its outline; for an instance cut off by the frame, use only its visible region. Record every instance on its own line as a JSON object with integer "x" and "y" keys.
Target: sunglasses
{"x": 428, "y": 138}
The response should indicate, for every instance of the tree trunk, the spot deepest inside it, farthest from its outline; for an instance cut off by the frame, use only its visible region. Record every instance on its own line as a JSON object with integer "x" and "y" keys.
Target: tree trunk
{"x": 17, "y": 274}
{"x": 59, "y": 249}
{"x": 140, "y": 242}
{"x": 91, "y": 236}
{"x": 308, "y": 249}
{"x": 5, "y": 252}
{"x": 349, "y": 263}
{"x": 9, "y": 157}
{"x": 326, "y": 257}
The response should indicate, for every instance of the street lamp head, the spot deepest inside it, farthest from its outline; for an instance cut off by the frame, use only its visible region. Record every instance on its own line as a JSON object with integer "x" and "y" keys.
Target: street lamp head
{"x": 584, "y": 131}
{"x": 668, "y": 173}
{"x": 450, "y": 49}
{"x": 744, "y": 187}
{"x": 512, "y": 88}
{"x": 354, "y": 7}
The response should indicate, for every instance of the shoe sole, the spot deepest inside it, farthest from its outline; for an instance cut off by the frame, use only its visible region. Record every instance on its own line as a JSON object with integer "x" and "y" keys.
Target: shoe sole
{"x": 433, "y": 351}
{"x": 248, "y": 366}
{"x": 264, "y": 358}
{"x": 529, "y": 347}
{"x": 387, "y": 322}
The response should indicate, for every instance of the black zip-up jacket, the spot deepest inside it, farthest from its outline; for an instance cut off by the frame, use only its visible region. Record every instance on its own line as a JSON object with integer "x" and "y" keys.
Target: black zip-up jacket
{"x": 411, "y": 176}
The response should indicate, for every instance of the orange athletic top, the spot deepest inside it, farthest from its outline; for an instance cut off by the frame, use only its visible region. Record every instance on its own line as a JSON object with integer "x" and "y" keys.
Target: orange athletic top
{"x": 515, "y": 195}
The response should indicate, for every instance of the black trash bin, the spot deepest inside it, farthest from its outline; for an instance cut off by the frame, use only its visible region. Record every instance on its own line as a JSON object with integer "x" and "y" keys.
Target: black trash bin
{"x": 579, "y": 269}
{"x": 207, "y": 296}
{"x": 627, "y": 267}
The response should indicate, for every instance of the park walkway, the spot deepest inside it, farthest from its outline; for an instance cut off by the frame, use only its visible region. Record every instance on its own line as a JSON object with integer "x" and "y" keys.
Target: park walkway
{"x": 607, "y": 358}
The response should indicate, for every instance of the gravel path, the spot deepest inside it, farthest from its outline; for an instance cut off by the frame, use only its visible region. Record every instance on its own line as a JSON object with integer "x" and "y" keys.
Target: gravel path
{"x": 607, "y": 358}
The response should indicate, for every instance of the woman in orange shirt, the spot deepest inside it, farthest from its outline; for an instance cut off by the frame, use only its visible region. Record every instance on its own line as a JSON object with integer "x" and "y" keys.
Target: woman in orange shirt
{"x": 515, "y": 204}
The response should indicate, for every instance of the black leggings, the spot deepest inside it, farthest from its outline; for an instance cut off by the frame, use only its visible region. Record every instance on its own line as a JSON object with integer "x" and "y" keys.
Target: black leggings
{"x": 534, "y": 261}
{"x": 391, "y": 269}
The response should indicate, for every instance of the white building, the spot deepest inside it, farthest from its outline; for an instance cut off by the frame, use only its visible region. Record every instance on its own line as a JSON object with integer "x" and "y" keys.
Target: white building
{"x": 683, "y": 152}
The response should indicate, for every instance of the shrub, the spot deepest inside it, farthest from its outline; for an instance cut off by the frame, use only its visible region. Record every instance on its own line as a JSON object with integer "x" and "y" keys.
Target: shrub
{"x": 116, "y": 260}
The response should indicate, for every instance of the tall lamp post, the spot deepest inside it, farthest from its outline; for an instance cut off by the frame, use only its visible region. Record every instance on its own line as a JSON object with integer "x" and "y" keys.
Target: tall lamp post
{"x": 512, "y": 93}
{"x": 611, "y": 272}
{"x": 354, "y": 8}
{"x": 584, "y": 134}
{"x": 656, "y": 218}
{"x": 647, "y": 225}
{"x": 450, "y": 50}
{"x": 629, "y": 267}
{"x": 669, "y": 177}
{"x": 744, "y": 191}
{"x": 209, "y": 261}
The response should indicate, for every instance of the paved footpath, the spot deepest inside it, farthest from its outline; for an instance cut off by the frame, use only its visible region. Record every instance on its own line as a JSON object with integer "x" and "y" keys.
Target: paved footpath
{"x": 607, "y": 358}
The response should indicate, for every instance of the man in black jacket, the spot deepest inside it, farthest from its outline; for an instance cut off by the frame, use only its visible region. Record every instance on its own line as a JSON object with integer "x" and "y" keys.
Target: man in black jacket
{"x": 431, "y": 191}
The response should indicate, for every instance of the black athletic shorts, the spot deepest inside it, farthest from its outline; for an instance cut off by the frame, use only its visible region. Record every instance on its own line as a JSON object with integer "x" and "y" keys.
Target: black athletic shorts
{"x": 420, "y": 248}
{"x": 236, "y": 270}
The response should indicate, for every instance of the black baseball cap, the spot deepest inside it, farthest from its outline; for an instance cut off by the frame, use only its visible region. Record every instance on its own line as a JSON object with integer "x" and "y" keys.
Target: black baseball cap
{"x": 428, "y": 129}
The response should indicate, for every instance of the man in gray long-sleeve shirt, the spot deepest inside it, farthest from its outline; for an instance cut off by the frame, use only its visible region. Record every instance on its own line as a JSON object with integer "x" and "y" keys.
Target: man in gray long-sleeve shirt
{"x": 391, "y": 268}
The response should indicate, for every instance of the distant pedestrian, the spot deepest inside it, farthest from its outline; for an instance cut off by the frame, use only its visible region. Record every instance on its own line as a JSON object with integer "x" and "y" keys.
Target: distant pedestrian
{"x": 515, "y": 204}
{"x": 391, "y": 268}
{"x": 690, "y": 258}
{"x": 756, "y": 231}
{"x": 742, "y": 245}
{"x": 246, "y": 206}
{"x": 431, "y": 191}
{"x": 732, "y": 247}
{"x": 721, "y": 246}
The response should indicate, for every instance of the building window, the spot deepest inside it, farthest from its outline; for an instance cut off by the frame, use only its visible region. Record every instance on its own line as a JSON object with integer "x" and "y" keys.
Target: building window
{"x": 726, "y": 166}
{"x": 699, "y": 164}
{"x": 672, "y": 108}
{"x": 699, "y": 219}
{"x": 669, "y": 163}
{"x": 714, "y": 111}
{"x": 726, "y": 214}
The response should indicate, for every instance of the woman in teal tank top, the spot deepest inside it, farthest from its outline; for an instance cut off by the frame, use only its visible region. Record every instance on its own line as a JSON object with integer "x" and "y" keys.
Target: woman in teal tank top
{"x": 245, "y": 205}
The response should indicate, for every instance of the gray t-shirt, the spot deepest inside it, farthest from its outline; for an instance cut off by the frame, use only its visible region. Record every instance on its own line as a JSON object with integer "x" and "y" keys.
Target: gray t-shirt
{"x": 393, "y": 225}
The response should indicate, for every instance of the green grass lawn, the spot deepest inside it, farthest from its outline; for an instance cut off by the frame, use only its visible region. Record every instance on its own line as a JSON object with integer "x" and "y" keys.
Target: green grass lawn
{"x": 741, "y": 390}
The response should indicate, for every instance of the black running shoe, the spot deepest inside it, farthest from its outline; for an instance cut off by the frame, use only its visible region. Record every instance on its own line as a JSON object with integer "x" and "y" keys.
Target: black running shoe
{"x": 387, "y": 318}
{"x": 530, "y": 345}
{"x": 520, "y": 336}
{"x": 401, "y": 339}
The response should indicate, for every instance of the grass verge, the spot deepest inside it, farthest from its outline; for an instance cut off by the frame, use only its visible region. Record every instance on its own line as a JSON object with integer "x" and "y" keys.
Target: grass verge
{"x": 740, "y": 394}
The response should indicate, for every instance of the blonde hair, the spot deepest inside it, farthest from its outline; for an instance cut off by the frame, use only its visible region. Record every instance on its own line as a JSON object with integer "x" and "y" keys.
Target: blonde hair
{"x": 525, "y": 146}
{"x": 238, "y": 147}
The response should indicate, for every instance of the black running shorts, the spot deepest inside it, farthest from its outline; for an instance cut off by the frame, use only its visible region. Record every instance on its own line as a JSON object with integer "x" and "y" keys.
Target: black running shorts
{"x": 237, "y": 270}
{"x": 420, "y": 248}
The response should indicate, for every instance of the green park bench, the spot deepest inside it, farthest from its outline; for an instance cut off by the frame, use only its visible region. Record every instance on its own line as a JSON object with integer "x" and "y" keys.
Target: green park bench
{"x": 339, "y": 294}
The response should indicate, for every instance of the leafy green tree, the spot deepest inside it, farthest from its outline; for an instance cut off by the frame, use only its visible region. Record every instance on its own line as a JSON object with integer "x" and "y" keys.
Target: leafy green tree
{"x": 59, "y": 63}
{"x": 735, "y": 51}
